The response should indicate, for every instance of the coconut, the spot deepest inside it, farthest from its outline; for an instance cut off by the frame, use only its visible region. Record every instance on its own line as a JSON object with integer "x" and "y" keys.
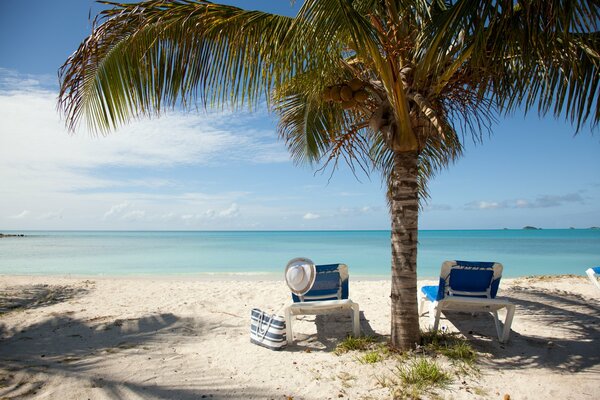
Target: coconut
{"x": 356, "y": 84}
{"x": 346, "y": 93}
{"x": 326, "y": 94}
{"x": 335, "y": 94}
{"x": 361, "y": 96}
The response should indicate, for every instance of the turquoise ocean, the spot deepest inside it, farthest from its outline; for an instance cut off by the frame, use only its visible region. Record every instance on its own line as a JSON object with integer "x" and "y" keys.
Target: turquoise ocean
{"x": 253, "y": 253}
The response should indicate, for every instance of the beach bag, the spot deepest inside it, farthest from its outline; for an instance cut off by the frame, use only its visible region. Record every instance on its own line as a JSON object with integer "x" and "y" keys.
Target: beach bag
{"x": 267, "y": 330}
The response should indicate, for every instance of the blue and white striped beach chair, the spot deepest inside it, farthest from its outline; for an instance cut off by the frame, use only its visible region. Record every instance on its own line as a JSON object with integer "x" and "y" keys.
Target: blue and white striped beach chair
{"x": 468, "y": 286}
{"x": 328, "y": 294}
{"x": 594, "y": 275}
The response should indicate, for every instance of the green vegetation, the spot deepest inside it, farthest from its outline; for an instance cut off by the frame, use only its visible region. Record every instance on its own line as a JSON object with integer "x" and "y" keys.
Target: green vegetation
{"x": 450, "y": 345}
{"x": 354, "y": 343}
{"x": 412, "y": 379}
{"x": 371, "y": 357}
{"x": 423, "y": 373}
{"x": 425, "y": 370}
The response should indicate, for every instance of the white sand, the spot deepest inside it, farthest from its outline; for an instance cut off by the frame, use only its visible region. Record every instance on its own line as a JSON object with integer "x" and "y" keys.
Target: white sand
{"x": 181, "y": 338}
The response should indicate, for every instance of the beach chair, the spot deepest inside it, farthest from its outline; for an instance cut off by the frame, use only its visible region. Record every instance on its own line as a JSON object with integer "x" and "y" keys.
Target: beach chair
{"x": 594, "y": 275}
{"x": 468, "y": 286}
{"x": 328, "y": 294}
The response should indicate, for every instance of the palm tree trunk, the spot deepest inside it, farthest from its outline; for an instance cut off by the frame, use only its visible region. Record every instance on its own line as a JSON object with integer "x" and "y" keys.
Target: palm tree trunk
{"x": 404, "y": 197}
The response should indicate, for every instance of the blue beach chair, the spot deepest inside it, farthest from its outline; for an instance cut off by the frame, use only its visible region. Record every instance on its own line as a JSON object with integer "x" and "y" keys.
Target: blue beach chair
{"x": 594, "y": 275}
{"x": 468, "y": 286}
{"x": 328, "y": 294}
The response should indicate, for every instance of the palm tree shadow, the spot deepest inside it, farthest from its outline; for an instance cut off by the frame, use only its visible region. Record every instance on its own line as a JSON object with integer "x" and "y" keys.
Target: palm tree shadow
{"x": 65, "y": 348}
{"x": 34, "y": 296}
{"x": 565, "y": 335}
{"x": 330, "y": 330}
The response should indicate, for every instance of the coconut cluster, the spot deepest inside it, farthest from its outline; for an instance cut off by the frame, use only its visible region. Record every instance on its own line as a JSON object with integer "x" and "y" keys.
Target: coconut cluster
{"x": 349, "y": 94}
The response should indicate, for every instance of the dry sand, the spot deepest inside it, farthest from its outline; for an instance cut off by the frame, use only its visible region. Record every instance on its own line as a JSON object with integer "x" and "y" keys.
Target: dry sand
{"x": 180, "y": 338}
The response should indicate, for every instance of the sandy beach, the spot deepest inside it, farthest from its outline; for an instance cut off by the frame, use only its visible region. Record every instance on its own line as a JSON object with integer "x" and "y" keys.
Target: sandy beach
{"x": 188, "y": 338}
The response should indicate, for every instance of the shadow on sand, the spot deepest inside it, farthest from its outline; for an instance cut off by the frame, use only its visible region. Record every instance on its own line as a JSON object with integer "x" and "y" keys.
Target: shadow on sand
{"x": 331, "y": 329}
{"x": 566, "y": 337}
{"x": 33, "y": 296}
{"x": 60, "y": 348}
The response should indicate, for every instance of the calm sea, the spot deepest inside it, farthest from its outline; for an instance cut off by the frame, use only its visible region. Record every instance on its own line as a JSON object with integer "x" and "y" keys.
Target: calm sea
{"x": 367, "y": 253}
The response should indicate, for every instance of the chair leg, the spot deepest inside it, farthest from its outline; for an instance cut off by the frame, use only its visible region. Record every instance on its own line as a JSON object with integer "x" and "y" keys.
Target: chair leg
{"x": 435, "y": 312}
{"x": 356, "y": 319}
{"x": 288, "y": 326}
{"x": 421, "y": 304}
{"x": 497, "y": 323}
{"x": 510, "y": 313}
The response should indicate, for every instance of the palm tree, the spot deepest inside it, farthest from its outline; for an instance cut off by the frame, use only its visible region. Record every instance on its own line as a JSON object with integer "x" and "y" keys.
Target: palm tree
{"x": 390, "y": 85}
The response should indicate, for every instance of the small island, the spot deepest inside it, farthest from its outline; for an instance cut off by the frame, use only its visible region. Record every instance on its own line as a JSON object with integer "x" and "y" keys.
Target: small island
{"x": 531, "y": 228}
{"x": 5, "y": 235}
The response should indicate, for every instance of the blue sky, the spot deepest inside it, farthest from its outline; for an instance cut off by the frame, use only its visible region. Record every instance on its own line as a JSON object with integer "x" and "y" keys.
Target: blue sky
{"x": 202, "y": 171}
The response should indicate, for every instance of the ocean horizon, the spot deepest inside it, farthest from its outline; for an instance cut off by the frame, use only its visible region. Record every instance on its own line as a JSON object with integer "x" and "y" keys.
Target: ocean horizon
{"x": 265, "y": 253}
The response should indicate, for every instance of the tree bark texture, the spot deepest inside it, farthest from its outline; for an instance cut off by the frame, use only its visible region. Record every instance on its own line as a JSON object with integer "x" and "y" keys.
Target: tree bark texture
{"x": 405, "y": 217}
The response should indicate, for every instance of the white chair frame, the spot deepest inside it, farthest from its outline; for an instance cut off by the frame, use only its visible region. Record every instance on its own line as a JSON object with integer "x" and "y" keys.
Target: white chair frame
{"x": 471, "y": 304}
{"x": 593, "y": 277}
{"x": 321, "y": 307}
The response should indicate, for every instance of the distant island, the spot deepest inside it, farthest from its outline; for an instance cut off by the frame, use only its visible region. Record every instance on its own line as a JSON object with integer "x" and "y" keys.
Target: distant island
{"x": 3, "y": 235}
{"x": 533, "y": 228}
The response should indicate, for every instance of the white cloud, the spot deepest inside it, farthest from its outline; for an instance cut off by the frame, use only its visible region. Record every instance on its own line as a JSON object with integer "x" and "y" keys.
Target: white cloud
{"x": 309, "y": 216}
{"x": 541, "y": 201}
{"x": 22, "y": 214}
{"x": 116, "y": 210}
{"x": 232, "y": 211}
{"x": 52, "y": 215}
{"x": 436, "y": 207}
{"x": 37, "y": 154}
{"x": 520, "y": 203}
{"x": 134, "y": 215}
{"x": 484, "y": 205}
{"x": 43, "y": 168}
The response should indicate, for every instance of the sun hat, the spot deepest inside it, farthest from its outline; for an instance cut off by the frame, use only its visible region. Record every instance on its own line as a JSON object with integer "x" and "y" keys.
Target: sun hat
{"x": 300, "y": 274}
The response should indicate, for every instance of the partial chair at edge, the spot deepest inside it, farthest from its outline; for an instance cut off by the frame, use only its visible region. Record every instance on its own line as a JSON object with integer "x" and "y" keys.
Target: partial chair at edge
{"x": 594, "y": 275}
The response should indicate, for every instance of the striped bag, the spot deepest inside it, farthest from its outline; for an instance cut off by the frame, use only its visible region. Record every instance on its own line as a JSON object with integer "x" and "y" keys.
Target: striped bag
{"x": 267, "y": 330}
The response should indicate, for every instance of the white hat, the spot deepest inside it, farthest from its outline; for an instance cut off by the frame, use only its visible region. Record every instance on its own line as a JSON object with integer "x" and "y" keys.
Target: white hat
{"x": 300, "y": 274}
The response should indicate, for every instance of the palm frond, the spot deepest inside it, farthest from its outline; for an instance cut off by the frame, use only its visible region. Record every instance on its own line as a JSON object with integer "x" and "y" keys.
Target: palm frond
{"x": 147, "y": 56}
{"x": 533, "y": 54}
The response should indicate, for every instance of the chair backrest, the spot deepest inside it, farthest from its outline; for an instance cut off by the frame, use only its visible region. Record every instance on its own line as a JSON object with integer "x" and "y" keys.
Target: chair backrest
{"x": 469, "y": 279}
{"x": 331, "y": 283}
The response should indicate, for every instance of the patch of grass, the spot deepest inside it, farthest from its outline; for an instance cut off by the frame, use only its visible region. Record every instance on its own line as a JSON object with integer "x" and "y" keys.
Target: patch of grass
{"x": 423, "y": 373}
{"x": 371, "y": 357}
{"x": 460, "y": 351}
{"x": 414, "y": 378}
{"x": 352, "y": 343}
{"x": 450, "y": 345}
